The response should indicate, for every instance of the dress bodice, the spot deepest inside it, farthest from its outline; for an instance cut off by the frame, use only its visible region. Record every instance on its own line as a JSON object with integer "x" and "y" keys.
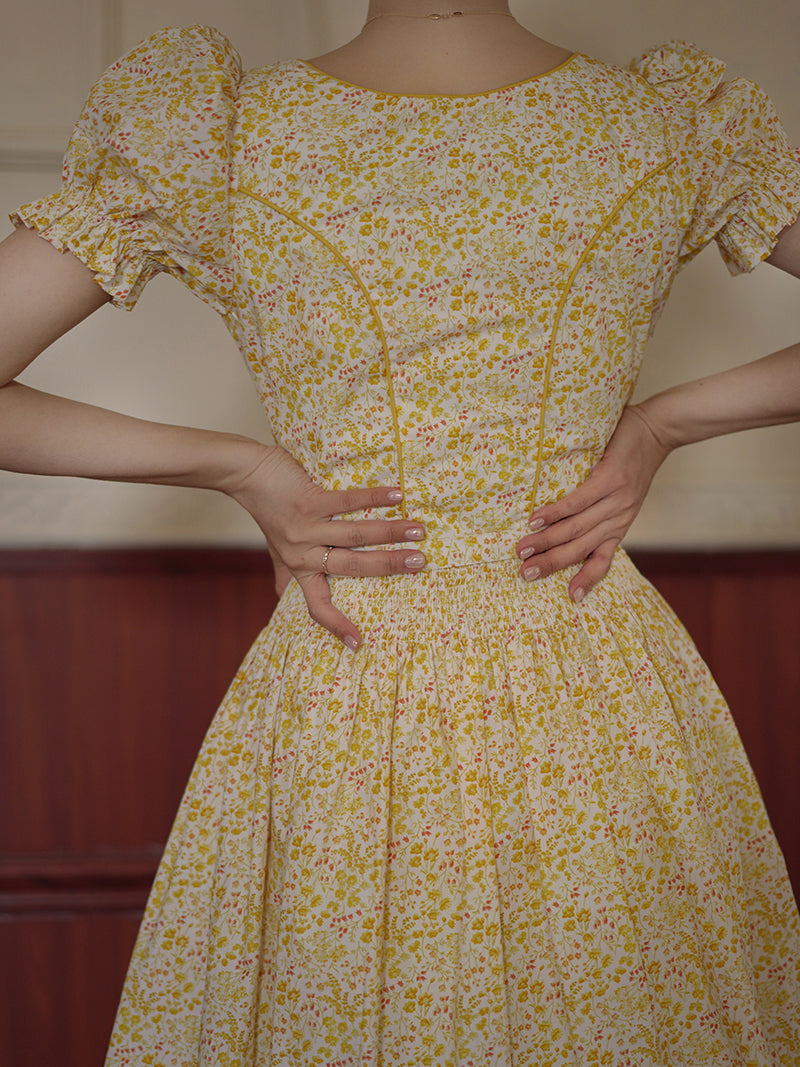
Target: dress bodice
{"x": 452, "y": 294}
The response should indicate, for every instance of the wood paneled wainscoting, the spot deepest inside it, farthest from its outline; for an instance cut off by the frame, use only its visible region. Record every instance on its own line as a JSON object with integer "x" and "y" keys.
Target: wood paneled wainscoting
{"x": 111, "y": 666}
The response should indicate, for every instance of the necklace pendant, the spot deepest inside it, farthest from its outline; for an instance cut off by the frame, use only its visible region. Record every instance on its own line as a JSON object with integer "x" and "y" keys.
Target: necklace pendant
{"x": 436, "y": 15}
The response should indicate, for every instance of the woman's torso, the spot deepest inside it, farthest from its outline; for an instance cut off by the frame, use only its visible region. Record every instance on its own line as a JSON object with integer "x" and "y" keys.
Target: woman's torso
{"x": 451, "y": 292}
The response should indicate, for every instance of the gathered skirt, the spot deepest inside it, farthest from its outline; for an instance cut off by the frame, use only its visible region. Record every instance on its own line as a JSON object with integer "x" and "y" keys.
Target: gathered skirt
{"x": 507, "y": 831}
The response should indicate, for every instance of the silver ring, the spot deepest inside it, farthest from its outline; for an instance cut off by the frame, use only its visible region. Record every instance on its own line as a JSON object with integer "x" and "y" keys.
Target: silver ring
{"x": 328, "y": 551}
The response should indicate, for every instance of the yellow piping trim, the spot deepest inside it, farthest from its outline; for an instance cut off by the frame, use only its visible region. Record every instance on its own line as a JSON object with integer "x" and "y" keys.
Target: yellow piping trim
{"x": 618, "y": 206}
{"x": 442, "y": 96}
{"x": 381, "y": 332}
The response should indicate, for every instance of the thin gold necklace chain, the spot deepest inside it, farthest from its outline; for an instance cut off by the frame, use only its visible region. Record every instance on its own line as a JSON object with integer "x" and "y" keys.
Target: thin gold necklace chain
{"x": 438, "y": 15}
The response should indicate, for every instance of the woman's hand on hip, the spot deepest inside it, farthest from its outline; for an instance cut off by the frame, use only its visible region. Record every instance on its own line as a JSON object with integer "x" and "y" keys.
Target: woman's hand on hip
{"x": 587, "y": 524}
{"x": 299, "y": 520}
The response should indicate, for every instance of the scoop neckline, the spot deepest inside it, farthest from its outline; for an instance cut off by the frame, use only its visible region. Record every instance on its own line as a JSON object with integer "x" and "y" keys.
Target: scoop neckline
{"x": 441, "y": 96}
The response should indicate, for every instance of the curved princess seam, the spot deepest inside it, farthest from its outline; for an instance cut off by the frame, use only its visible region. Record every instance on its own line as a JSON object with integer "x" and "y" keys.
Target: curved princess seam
{"x": 616, "y": 208}
{"x": 292, "y": 217}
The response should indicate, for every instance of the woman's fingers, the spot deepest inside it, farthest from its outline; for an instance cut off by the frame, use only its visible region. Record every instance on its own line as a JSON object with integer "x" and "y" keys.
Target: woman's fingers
{"x": 545, "y": 563}
{"x": 343, "y": 537}
{"x": 323, "y": 611}
{"x": 364, "y": 532}
{"x": 585, "y": 524}
{"x": 343, "y": 501}
{"x": 594, "y": 569}
{"x": 299, "y": 520}
{"x": 578, "y": 500}
{"x": 343, "y": 563}
{"x": 542, "y": 566}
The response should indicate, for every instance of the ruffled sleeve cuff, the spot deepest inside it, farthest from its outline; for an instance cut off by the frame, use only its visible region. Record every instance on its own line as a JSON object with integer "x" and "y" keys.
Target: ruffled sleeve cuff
{"x": 78, "y": 219}
{"x": 147, "y": 171}
{"x": 744, "y": 177}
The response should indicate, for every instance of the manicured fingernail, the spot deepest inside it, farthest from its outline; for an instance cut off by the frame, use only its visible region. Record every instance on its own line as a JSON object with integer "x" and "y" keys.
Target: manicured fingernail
{"x": 530, "y": 573}
{"x": 416, "y": 561}
{"x": 578, "y": 595}
{"x": 394, "y": 496}
{"x": 536, "y": 524}
{"x": 526, "y": 553}
{"x": 352, "y": 643}
{"x": 415, "y": 533}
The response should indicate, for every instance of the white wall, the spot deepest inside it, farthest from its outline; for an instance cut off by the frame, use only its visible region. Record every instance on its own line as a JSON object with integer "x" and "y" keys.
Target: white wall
{"x": 172, "y": 360}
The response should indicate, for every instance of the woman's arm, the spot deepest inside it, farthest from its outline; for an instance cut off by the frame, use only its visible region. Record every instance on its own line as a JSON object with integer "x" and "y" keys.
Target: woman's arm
{"x": 44, "y": 293}
{"x": 586, "y": 525}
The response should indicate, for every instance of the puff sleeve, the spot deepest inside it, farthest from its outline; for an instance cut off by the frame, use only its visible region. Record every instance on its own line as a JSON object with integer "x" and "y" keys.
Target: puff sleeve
{"x": 147, "y": 171}
{"x": 741, "y": 178}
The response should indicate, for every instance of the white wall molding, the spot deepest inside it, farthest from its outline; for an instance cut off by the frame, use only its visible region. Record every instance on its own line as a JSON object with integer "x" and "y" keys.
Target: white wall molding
{"x": 719, "y": 514}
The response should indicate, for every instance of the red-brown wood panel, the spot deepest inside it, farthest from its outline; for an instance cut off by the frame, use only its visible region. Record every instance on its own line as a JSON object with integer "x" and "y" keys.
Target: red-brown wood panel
{"x": 59, "y": 983}
{"x": 111, "y": 667}
{"x": 108, "y": 680}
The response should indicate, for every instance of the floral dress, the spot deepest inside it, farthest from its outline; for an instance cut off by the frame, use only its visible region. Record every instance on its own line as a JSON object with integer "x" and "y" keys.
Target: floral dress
{"x": 508, "y": 830}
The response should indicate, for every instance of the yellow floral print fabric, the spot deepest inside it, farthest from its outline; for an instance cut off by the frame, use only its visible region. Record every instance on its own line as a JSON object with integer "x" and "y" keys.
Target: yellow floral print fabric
{"x": 508, "y": 831}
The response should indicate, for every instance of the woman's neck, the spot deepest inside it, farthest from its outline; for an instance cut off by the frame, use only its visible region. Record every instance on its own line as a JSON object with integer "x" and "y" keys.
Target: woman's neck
{"x": 399, "y": 50}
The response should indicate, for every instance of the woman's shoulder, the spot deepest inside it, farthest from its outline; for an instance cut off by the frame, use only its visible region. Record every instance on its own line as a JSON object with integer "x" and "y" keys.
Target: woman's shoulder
{"x": 170, "y": 100}
{"x": 176, "y": 48}
{"x": 681, "y": 85}
{"x": 192, "y": 64}
{"x": 195, "y": 68}
{"x": 676, "y": 71}
{"x": 683, "y": 76}
{"x": 675, "y": 63}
